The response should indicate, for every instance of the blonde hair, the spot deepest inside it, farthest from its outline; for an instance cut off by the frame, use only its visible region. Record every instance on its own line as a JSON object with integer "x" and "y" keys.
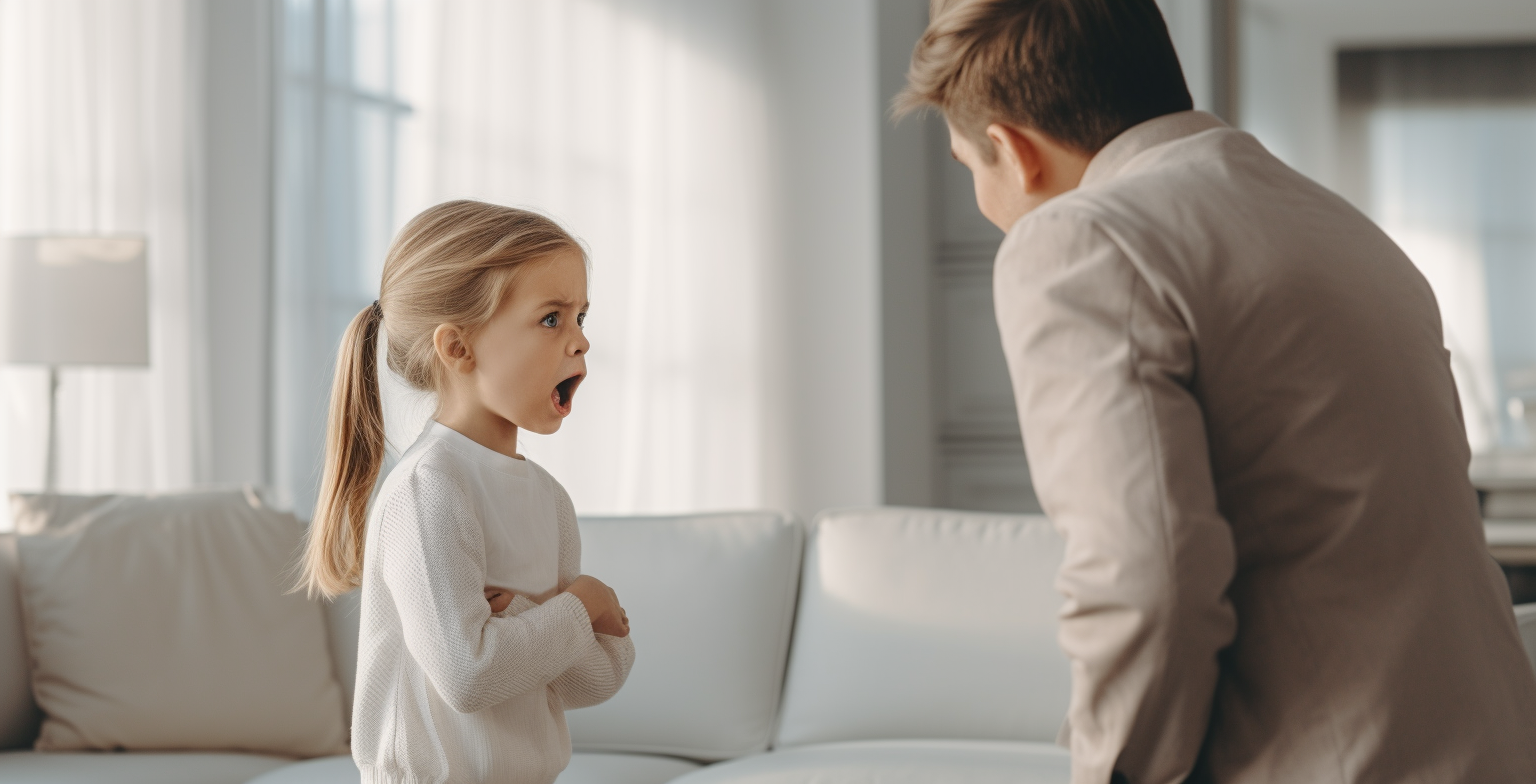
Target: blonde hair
{"x": 452, "y": 264}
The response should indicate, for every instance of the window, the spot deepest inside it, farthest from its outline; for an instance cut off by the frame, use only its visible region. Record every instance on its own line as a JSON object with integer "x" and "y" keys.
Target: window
{"x": 338, "y": 121}
{"x": 1439, "y": 144}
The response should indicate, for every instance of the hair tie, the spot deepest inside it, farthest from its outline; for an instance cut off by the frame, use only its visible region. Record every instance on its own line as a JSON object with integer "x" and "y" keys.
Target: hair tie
{"x": 378, "y": 311}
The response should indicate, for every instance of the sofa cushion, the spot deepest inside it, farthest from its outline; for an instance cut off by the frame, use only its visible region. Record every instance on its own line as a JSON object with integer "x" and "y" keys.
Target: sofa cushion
{"x": 711, "y": 599}
{"x": 584, "y": 769}
{"x": 897, "y": 762}
{"x": 323, "y": 770}
{"x": 133, "y": 767}
{"x": 166, "y": 623}
{"x": 598, "y": 768}
{"x": 917, "y": 623}
{"x": 18, "y": 712}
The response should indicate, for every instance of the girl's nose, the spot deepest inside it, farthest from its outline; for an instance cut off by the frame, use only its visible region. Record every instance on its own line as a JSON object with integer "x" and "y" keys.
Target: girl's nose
{"x": 580, "y": 346}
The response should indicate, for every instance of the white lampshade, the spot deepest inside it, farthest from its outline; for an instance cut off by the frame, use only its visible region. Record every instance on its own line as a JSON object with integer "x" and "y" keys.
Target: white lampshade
{"x": 74, "y": 300}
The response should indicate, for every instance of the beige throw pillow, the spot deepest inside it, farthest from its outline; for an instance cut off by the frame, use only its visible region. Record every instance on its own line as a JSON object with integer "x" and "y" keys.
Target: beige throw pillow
{"x": 164, "y": 623}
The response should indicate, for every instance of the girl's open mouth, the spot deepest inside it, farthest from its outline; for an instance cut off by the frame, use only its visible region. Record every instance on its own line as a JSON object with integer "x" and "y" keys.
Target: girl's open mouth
{"x": 564, "y": 392}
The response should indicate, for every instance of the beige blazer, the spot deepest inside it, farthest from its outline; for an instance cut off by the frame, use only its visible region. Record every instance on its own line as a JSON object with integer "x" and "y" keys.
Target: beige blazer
{"x": 1238, "y": 410}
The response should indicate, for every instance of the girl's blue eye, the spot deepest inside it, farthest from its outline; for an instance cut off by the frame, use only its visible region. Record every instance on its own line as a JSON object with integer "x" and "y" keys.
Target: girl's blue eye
{"x": 552, "y": 320}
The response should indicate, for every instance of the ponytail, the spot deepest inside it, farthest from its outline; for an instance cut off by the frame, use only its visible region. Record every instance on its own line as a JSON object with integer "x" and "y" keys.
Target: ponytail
{"x": 354, "y": 452}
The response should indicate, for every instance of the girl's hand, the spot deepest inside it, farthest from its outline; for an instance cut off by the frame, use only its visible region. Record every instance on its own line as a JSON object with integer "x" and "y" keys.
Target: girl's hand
{"x": 613, "y": 625}
{"x": 602, "y": 606}
{"x": 501, "y": 598}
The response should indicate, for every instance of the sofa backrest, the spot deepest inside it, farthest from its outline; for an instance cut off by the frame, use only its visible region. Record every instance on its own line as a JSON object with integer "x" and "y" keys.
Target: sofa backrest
{"x": 19, "y": 716}
{"x": 343, "y": 618}
{"x": 921, "y": 623}
{"x": 711, "y": 599}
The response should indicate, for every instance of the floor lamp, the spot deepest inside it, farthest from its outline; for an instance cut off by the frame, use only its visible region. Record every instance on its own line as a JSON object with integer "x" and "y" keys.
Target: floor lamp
{"x": 71, "y": 300}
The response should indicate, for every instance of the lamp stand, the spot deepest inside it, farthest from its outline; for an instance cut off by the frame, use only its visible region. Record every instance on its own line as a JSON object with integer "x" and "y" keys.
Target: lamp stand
{"x": 51, "y": 460}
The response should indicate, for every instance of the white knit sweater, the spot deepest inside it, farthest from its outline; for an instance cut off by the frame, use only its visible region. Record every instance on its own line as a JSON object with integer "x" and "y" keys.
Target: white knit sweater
{"x": 446, "y": 691}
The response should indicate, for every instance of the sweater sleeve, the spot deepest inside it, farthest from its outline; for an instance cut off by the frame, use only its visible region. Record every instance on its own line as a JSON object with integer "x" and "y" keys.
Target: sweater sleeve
{"x": 433, "y": 559}
{"x": 599, "y": 675}
{"x": 605, "y": 665}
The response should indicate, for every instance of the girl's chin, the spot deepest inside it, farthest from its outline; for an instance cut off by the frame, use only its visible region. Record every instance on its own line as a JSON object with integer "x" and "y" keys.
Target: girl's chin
{"x": 544, "y": 428}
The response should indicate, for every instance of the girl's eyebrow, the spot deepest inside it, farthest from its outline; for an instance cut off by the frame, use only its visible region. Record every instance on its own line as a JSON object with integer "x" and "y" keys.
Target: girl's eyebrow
{"x": 561, "y": 303}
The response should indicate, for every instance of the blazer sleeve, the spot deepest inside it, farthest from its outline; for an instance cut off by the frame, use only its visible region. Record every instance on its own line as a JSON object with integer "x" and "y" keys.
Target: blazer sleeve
{"x": 433, "y": 551}
{"x": 1103, "y": 370}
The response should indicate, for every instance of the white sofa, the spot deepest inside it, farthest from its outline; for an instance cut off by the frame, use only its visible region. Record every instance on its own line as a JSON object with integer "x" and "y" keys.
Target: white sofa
{"x": 923, "y": 646}
{"x": 882, "y": 645}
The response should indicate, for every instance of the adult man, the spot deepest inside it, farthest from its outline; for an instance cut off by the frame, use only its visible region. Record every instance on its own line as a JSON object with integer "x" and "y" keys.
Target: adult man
{"x": 1238, "y": 410}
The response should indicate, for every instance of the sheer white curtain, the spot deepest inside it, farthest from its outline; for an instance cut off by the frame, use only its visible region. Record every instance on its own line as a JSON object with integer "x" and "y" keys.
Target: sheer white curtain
{"x": 641, "y": 126}
{"x": 99, "y": 132}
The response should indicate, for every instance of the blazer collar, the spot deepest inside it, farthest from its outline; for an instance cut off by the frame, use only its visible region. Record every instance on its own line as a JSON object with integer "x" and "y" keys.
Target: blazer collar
{"x": 1130, "y": 143}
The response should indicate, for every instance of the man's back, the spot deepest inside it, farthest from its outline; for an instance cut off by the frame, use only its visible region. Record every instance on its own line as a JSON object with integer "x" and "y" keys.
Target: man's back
{"x": 1238, "y": 408}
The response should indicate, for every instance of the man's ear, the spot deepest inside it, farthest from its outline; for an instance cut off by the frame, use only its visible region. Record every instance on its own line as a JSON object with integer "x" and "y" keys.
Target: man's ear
{"x": 452, "y": 348}
{"x": 1020, "y": 155}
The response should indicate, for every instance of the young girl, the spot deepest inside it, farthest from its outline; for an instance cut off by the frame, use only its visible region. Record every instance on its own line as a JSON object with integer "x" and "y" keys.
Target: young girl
{"x": 477, "y": 629}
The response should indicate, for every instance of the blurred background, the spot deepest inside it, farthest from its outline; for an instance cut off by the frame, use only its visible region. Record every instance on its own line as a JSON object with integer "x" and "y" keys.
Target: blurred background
{"x": 791, "y": 294}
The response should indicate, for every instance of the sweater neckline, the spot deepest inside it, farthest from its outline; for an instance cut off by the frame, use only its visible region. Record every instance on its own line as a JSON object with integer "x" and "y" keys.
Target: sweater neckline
{"x": 474, "y": 450}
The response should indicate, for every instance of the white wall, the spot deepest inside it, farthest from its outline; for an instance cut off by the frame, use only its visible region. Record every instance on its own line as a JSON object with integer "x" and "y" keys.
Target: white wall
{"x": 908, "y": 430}
{"x": 1189, "y": 25}
{"x": 826, "y": 338}
{"x": 237, "y": 212}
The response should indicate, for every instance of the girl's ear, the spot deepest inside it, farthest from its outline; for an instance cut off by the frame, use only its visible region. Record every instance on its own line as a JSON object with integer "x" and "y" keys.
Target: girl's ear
{"x": 452, "y": 348}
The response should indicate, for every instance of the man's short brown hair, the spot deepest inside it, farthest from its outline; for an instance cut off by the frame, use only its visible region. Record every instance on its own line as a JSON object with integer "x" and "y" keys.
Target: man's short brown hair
{"x": 1079, "y": 71}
